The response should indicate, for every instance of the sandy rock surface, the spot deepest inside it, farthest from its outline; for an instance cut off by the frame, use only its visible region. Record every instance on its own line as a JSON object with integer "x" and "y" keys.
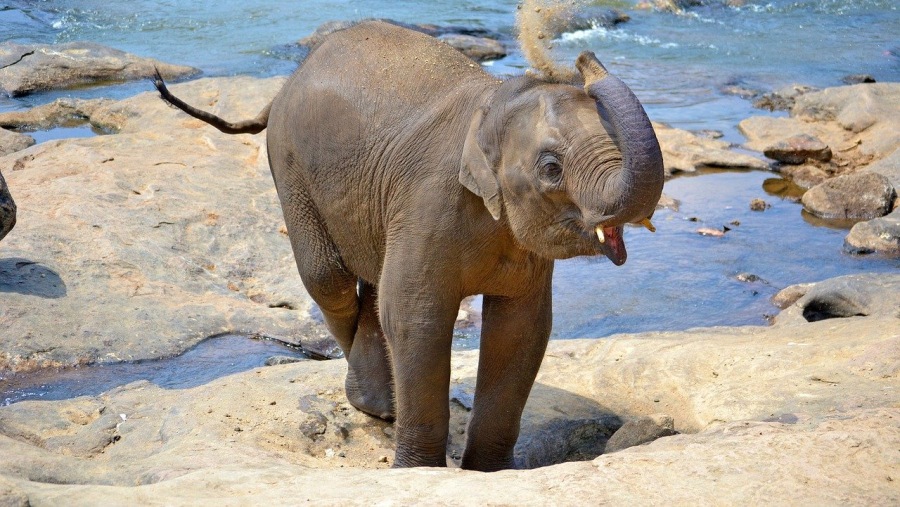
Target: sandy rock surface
{"x": 29, "y": 68}
{"x": 141, "y": 244}
{"x": 801, "y": 413}
{"x": 13, "y": 141}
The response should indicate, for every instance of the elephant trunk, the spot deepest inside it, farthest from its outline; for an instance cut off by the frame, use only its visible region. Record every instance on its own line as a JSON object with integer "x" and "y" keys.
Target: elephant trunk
{"x": 632, "y": 194}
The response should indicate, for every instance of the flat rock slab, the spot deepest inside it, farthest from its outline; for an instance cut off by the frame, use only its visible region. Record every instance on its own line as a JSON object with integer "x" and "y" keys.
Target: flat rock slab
{"x": 685, "y": 151}
{"x": 13, "y": 141}
{"x": 26, "y": 69}
{"x": 800, "y": 410}
{"x": 141, "y": 244}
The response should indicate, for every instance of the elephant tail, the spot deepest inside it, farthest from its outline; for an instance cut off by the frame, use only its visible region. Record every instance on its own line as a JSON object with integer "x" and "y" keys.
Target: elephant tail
{"x": 253, "y": 126}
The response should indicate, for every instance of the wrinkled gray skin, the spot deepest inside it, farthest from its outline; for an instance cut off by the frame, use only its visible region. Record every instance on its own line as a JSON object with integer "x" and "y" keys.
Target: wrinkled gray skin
{"x": 7, "y": 209}
{"x": 409, "y": 179}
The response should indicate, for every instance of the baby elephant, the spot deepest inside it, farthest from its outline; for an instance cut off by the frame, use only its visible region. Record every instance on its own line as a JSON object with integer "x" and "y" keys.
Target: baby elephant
{"x": 409, "y": 179}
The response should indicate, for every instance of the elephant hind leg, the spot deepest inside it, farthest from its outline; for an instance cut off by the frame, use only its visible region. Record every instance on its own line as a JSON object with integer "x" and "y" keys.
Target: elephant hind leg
{"x": 369, "y": 384}
{"x": 328, "y": 281}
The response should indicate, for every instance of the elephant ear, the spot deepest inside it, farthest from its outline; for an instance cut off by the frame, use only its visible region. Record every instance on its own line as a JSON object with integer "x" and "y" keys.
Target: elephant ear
{"x": 476, "y": 172}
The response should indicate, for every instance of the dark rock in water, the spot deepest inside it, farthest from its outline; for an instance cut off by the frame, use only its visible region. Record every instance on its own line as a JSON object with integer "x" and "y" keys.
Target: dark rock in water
{"x": 476, "y": 43}
{"x": 759, "y": 205}
{"x": 479, "y": 49}
{"x": 750, "y": 278}
{"x": 881, "y": 235}
{"x": 782, "y": 99}
{"x": 11, "y": 142}
{"x": 804, "y": 176}
{"x": 853, "y": 79}
{"x": 798, "y": 149}
{"x": 863, "y": 195}
{"x": 7, "y": 209}
{"x": 26, "y": 69}
{"x": 640, "y": 431}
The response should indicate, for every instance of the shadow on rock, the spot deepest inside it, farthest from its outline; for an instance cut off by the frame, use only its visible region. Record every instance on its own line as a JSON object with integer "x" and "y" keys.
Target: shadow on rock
{"x": 30, "y": 278}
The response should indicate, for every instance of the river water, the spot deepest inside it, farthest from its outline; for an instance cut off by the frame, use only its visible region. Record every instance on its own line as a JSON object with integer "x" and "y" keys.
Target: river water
{"x": 678, "y": 66}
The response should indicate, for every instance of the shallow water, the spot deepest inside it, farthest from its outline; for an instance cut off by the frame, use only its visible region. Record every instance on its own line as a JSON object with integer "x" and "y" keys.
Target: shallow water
{"x": 208, "y": 360}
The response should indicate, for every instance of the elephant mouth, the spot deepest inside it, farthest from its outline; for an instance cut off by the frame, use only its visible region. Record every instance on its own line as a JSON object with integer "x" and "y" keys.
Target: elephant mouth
{"x": 612, "y": 244}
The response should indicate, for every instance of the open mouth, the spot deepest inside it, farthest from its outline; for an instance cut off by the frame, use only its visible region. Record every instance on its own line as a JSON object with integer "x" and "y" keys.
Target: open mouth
{"x": 612, "y": 244}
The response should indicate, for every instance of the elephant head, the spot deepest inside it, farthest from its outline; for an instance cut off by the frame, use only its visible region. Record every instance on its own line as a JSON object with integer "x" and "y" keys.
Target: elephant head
{"x": 565, "y": 167}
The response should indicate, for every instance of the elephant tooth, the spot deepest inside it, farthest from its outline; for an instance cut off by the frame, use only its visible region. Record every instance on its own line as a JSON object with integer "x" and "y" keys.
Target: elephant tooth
{"x": 600, "y": 234}
{"x": 646, "y": 223}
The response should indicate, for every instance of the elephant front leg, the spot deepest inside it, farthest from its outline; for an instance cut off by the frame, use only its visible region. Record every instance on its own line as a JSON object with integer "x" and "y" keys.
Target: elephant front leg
{"x": 418, "y": 319}
{"x": 369, "y": 385}
{"x": 513, "y": 341}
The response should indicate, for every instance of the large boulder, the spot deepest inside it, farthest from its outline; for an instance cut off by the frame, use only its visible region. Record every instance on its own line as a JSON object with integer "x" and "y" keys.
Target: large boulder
{"x": 865, "y": 195}
{"x": 881, "y": 235}
{"x": 29, "y": 68}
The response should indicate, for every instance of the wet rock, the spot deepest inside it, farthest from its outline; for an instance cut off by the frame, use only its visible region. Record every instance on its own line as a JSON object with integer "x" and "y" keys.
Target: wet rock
{"x": 279, "y": 360}
{"x": 782, "y": 99}
{"x": 866, "y": 295}
{"x": 863, "y": 195}
{"x": 881, "y": 235}
{"x": 685, "y": 151}
{"x": 749, "y": 278}
{"x": 64, "y": 112}
{"x": 805, "y": 176}
{"x": 13, "y": 141}
{"x": 798, "y": 149}
{"x": 7, "y": 209}
{"x": 759, "y": 205}
{"x": 26, "y": 69}
{"x": 479, "y": 49}
{"x": 789, "y": 295}
{"x": 478, "y": 44}
{"x": 640, "y": 431}
{"x": 853, "y": 79}
{"x": 569, "y": 17}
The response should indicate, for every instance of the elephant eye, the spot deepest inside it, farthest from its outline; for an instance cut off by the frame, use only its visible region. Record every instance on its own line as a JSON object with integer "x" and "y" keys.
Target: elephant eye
{"x": 550, "y": 169}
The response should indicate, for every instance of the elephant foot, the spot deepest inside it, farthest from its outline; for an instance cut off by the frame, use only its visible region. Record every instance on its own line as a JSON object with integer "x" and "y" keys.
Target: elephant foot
{"x": 370, "y": 397}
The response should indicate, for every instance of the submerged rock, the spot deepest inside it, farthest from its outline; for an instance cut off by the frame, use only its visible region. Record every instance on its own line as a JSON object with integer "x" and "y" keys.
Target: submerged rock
{"x": 863, "y": 195}
{"x": 26, "y": 69}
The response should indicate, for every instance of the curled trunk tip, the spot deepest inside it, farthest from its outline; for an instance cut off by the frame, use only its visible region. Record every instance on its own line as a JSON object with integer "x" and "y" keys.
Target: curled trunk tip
{"x": 590, "y": 68}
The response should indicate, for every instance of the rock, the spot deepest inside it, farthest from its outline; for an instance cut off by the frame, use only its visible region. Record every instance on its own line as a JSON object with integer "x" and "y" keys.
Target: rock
{"x": 866, "y": 295}
{"x": 479, "y": 49}
{"x": 13, "y": 141}
{"x": 26, "y": 69}
{"x": 7, "y": 209}
{"x": 684, "y": 151}
{"x": 706, "y": 231}
{"x": 478, "y": 44}
{"x": 64, "y": 112}
{"x": 824, "y": 390}
{"x": 570, "y": 17}
{"x": 789, "y": 295}
{"x": 871, "y": 111}
{"x": 749, "y": 278}
{"x": 180, "y": 238}
{"x": 889, "y": 167}
{"x": 759, "y": 205}
{"x": 798, "y": 149}
{"x": 805, "y": 176}
{"x": 782, "y": 99}
{"x": 863, "y": 195}
{"x": 279, "y": 360}
{"x": 640, "y": 431}
{"x": 880, "y": 235}
{"x": 853, "y": 79}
